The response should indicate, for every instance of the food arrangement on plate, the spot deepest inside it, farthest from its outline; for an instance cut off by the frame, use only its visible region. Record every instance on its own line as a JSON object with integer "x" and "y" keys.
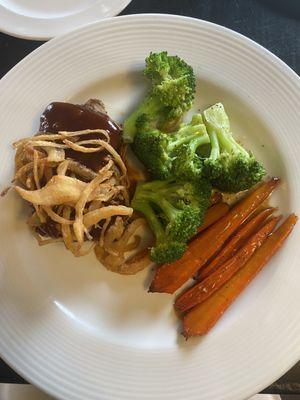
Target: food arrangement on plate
{"x": 85, "y": 191}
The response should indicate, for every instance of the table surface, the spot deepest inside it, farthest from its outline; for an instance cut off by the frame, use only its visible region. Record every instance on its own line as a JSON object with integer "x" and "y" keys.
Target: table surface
{"x": 275, "y": 24}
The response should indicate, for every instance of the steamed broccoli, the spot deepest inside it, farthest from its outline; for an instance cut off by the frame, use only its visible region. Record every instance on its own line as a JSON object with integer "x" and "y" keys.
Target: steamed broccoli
{"x": 230, "y": 168}
{"x": 174, "y": 154}
{"x": 174, "y": 211}
{"x": 172, "y": 93}
{"x": 187, "y": 162}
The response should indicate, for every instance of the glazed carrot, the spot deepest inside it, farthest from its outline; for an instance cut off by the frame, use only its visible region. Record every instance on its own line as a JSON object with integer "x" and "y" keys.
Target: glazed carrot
{"x": 170, "y": 277}
{"x": 213, "y": 214}
{"x": 234, "y": 243}
{"x": 201, "y": 291}
{"x": 205, "y": 315}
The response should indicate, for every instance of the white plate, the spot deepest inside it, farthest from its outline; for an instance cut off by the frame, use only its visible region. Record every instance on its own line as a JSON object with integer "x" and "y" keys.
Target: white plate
{"x": 42, "y": 19}
{"x": 81, "y": 332}
{"x": 29, "y": 392}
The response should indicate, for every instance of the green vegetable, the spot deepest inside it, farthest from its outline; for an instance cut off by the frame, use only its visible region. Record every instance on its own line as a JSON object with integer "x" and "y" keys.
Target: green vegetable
{"x": 187, "y": 162}
{"x": 230, "y": 168}
{"x": 174, "y": 211}
{"x": 172, "y": 93}
{"x": 174, "y": 154}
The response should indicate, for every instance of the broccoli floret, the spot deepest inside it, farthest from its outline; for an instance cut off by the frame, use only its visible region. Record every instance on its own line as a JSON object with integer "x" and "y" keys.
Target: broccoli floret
{"x": 174, "y": 211}
{"x": 188, "y": 164}
{"x": 152, "y": 150}
{"x": 230, "y": 168}
{"x": 172, "y": 93}
{"x": 167, "y": 251}
{"x": 172, "y": 78}
{"x": 174, "y": 154}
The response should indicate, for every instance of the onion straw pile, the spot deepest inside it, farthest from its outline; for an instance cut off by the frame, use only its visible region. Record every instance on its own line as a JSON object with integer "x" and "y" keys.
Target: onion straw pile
{"x": 73, "y": 204}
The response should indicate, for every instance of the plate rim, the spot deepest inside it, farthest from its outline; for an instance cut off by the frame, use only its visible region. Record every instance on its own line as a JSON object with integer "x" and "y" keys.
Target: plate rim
{"x": 255, "y": 44}
{"x": 283, "y": 65}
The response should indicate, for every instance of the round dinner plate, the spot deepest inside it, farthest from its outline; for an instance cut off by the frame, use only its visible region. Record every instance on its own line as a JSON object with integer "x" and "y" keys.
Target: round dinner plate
{"x": 42, "y": 20}
{"x": 79, "y": 331}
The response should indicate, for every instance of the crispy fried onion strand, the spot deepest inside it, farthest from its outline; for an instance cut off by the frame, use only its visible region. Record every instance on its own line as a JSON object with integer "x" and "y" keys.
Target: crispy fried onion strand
{"x": 94, "y": 217}
{"x": 71, "y": 202}
{"x": 78, "y": 226}
{"x": 118, "y": 242}
{"x": 50, "y": 137}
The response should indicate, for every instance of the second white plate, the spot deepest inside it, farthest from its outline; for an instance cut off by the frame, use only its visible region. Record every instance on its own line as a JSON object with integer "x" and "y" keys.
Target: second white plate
{"x": 43, "y": 20}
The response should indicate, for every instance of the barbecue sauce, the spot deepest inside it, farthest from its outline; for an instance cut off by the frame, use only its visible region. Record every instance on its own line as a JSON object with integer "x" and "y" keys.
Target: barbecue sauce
{"x": 60, "y": 116}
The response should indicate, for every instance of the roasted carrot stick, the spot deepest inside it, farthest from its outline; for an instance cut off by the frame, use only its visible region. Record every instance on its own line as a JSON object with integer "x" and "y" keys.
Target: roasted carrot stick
{"x": 201, "y": 291}
{"x": 213, "y": 214}
{"x": 170, "y": 277}
{"x": 234, "y": 243}
{"x": 204, "y": 316}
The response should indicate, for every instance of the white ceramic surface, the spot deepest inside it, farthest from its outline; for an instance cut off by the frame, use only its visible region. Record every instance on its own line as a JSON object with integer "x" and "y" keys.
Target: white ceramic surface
{"x": 26, "y": 392}
{"x": 81, "y": 332}
{"x": 44, "y": 19}
{"x": 29, "y": 392}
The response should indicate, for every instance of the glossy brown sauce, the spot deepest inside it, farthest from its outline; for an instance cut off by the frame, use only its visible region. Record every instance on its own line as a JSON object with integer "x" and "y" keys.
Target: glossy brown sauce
{"x": 60, "y": 116}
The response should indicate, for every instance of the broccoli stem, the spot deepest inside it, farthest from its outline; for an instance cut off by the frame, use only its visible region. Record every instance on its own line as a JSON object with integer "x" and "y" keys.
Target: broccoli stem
{"x": 173, "y": 144}
{"x": 215, "y": 147}
{"x": 229, "y": 144}
{"x": 187, "y": 134}
{"x": 190, "y": 129}
{"x": 198, "y": 141}
{"x": 152, "y": 219}
{"x": 169, "y": 190}
{"x": 238, "y": 146}
{"x": 169, "y": 210}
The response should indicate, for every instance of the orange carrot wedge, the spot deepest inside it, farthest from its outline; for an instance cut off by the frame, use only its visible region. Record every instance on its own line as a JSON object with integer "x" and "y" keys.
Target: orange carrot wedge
{"x": 234, "y": 243}
{"x": 170, "y": 277}
{"x": 204, "y": 316}
{"x": 213, "y": 214}
{"x": 201, "y": 291}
